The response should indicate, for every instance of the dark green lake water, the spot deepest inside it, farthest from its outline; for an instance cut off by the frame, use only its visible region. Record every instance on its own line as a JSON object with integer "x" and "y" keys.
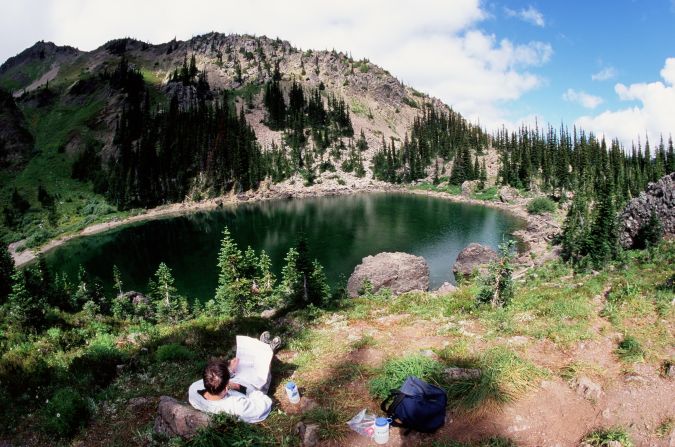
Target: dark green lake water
{"x": 340, "y": 231}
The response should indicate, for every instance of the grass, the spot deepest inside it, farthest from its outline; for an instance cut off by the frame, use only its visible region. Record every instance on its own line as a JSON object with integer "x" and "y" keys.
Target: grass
{"x": 53, "y": 127}
{"x": 665, "y": 427}
{"x": 630, "y": 350}
{"x": 602, "y": 437}
{"x": 454, "y": 190}
{"x": 504, "y": 378}
{"x": 576, "y": 369}
{"x": 489, "y": 194}
{"x": 394, "y": 372}
{"x": 227, "y": 431}
{"x": 541, "y": 205}
{"x": 366, "y": 341}
{"x": 360, "y": 109}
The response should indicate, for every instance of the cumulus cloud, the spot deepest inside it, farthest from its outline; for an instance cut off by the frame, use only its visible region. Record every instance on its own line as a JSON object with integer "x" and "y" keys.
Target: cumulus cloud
{"x": 605, "y": 74}
{"x": 582, "y": 98}
{"x": 529, "y": 15}
{"x": 653, "y": 116}
{"x": 435, "y": 45}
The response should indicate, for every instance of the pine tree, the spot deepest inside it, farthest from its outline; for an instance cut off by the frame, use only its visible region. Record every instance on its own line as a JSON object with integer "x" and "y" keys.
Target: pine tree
{"x": 233, "y": 294}
{"x": 170, "y": 307}
{"x": 7, "y": 272}
{"x": 575, "y": 230}
{"x": 603, "y": 236}
{"x": 117, "y": 279}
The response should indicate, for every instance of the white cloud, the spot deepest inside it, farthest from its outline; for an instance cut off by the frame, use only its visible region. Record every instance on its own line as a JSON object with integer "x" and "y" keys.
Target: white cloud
{"x": 605, "y": 74}
{"x": 435, "y": 45}
{"x": 580, "y": 97}
{"x": 655, "y": 115}
{"x": 529, "y": 15}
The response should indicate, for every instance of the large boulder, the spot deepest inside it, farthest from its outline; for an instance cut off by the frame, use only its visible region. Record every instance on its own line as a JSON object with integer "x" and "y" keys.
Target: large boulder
{"x": 508, "y": 194}
{"x": 176, "y": 418}
{"x": 659, "y": 198}
{"x": 469, "y": 187}
{"x": 474, "y": 258}
{"x": 399, "y": 272}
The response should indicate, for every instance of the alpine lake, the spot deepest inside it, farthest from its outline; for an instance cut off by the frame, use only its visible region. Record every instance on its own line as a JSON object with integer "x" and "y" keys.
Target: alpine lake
{"x": 340, "y": 231}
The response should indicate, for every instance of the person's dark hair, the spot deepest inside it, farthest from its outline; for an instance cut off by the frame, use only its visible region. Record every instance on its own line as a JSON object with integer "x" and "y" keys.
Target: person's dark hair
{"x": 216, "y": 376}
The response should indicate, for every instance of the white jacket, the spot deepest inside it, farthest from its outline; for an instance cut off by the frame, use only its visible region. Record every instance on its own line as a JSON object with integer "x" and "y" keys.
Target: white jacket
{"x": 252, "y": 407}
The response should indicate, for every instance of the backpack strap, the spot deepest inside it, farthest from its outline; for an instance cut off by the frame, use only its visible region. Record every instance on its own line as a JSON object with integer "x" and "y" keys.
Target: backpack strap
{"x": 393, "y": 395}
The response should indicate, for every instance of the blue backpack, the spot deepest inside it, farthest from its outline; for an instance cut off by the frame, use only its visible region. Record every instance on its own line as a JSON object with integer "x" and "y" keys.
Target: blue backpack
{"x": 416, "y": 406}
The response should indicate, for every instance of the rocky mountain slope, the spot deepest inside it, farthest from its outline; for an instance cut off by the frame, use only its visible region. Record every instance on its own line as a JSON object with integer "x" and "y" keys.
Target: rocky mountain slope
{"x": 72, "y": 108}
{"x": 380, "y": 105}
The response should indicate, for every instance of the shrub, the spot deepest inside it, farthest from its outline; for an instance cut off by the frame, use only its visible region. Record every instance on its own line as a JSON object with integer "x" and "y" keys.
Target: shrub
{"x": 97, "y": 366}
{"x": 602, "y": 437}
{"x": 497, "y": 285}
{"x": 173, "y": 352}
{"x": 650, "y": 233}
{"x": 394, "y": 372}
{"x": 65, "y": 413}
{"x": 541, "y": 205}
{"x": 630, "y": 349}
{"x": 227, "y": 431}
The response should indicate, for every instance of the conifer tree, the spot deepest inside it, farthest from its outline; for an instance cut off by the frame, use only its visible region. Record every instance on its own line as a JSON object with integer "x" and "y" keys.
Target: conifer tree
{"x": 6, "y": 273}
{"x": 233, "y": 294}
{"x": 170, "y": 307}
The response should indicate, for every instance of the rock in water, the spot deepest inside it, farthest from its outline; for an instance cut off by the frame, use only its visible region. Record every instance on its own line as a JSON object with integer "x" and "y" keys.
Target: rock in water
{"x": 398, "y": 272}
{"x": 475, "y": 257}
{"x": 659, "y": 198}
{"x": 175, "y": 418}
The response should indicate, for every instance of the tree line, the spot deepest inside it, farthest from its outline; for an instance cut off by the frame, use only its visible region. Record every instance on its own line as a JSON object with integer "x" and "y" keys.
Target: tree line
{"x": 437, "y": 136}
{"x": 35, "y": 298}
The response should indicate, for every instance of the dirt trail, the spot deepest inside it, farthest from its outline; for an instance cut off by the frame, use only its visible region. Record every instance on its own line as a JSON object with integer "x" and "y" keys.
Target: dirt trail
{"x": 554, "y": 413}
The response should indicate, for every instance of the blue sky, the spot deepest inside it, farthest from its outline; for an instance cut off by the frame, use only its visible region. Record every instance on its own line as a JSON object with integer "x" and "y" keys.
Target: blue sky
{"x": 596, "y": 44}
{"x": 608, "y": 66}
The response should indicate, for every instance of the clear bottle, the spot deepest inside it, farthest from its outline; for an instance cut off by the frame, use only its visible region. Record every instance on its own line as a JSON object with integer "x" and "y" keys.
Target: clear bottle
{"x": 292, "y": 392}
{"x": 381, "y": 433}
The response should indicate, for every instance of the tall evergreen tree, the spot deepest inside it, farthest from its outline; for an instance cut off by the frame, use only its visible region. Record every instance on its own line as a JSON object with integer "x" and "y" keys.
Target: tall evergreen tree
{"x": 6, "y": 273}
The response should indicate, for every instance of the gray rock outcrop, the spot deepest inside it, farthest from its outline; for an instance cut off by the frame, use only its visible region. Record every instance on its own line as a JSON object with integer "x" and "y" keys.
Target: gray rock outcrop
{"x": 507, "y": 194}
{"x": 175, "y": 418}
{"x": 659, "y": 198}
{"x": 469, "y": 187}
{"x": 445, "y": 289}
{"x": 399, "y": 272}
{"x": 475, "y": 257}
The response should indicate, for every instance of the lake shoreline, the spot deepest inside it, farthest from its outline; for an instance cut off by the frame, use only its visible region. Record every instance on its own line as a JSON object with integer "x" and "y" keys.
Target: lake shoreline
{"x": 537, "y": 231}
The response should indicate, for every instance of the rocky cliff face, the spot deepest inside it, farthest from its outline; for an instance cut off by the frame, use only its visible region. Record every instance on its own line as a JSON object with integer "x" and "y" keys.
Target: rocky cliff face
{"x": 659, "y": 198}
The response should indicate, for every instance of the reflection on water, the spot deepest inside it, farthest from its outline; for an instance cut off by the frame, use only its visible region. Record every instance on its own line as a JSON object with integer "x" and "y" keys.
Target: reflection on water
{"x": 340, "y": 231}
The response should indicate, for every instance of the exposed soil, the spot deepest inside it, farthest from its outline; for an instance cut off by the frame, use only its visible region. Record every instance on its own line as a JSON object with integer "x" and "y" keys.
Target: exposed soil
{"x": 554, "y": 413}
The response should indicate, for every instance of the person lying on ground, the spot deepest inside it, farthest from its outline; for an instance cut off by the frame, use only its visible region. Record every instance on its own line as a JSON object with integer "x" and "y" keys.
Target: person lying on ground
{"x": 221, "y": 391}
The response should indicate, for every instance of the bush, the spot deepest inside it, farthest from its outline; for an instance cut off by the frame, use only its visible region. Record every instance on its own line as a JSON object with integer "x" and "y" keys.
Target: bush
{"x": 541, "y": 205}
{"x": 97, "y": 366}
{"x": 602, "y": 437}
{"x": 227, "y": 431}
{"x": 650, "y": 233}
{"x": 630, "y": 349}
{"x": 394, "y": 372}
{"x": 173, "y": 352}
{"x": 65, "y": 413}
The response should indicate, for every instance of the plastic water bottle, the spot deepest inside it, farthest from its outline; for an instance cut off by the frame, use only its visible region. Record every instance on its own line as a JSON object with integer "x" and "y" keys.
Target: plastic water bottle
{"x": 292, "y": 392}
{"x": 381, "y": 434}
